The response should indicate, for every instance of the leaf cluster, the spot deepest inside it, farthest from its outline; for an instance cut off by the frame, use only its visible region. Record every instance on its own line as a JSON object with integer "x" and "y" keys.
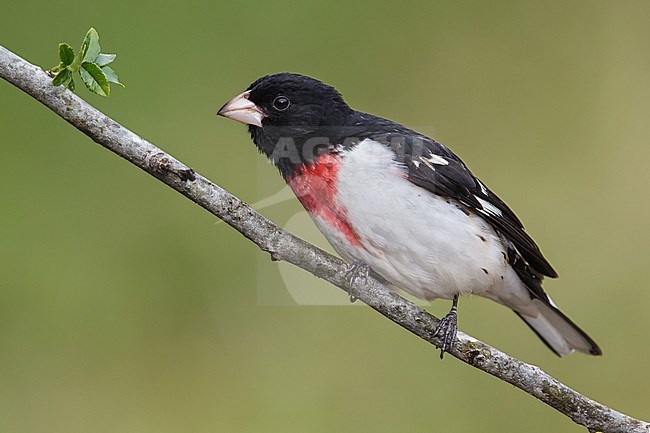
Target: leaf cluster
{"x": 90, "y": 63}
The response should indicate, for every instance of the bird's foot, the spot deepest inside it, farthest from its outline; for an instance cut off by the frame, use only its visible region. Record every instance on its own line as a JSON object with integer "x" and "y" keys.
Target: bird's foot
{"x": 447, "y": 329}
{"x": 356, "y": 272}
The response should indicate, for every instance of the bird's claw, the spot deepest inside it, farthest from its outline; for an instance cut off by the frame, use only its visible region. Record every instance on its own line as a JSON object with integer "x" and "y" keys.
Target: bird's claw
{"x": 446, "y": 332}
{"x": 356, "y": 272}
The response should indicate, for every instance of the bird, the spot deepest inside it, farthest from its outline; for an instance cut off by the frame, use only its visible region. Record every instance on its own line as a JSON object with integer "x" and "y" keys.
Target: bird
{"x": 400, "y": 206}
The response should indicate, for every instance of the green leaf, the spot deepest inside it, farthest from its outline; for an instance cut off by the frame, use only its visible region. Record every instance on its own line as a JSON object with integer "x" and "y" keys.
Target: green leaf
{"x": 90, "y": 46}
{"x": 105, "y": 59}
{"x": 71, "y": 84}
{"x": 94, "y": 78}
{"x": 66, "y": 54}
{"x": 61, "y": 77}
{"x": 111, "y": 76}
{"x": 76, "y": 63}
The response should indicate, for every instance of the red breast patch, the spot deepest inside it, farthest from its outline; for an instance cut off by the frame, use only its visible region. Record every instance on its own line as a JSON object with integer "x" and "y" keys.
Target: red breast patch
{"x": 315, "y": 186}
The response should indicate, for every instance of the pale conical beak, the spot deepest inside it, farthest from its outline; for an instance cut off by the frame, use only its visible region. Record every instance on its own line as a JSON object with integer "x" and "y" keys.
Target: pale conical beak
{"x": 242, "y": 110}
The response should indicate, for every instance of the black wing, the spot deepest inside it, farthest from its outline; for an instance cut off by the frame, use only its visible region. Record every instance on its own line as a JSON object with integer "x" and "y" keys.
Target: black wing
{"x": 437, "y": 169}
{"x": 437, "y": 172}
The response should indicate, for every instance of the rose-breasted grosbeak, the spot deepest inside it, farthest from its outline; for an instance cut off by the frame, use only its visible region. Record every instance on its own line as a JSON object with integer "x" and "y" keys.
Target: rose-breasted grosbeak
{"x": 402, "y": 205}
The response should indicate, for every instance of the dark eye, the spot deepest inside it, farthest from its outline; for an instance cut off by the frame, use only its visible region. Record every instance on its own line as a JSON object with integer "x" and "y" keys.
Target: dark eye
{"x": 281, "y": 103}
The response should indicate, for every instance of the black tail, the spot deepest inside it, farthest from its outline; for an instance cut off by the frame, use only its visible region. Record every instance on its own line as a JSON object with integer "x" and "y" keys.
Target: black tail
{"x": 558, "y": 332}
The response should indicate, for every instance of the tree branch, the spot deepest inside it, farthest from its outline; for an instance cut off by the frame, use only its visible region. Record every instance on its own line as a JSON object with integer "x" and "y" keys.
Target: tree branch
{"x": 285, "y": 246}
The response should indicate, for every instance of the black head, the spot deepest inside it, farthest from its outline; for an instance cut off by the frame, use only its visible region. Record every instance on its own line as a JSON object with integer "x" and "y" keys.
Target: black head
{"x": 290, "y": 116}
{"x": 297, "y": 103}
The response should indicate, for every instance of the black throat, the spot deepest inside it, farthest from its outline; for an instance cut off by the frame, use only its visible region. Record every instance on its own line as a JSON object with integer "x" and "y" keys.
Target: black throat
{"x": 290, "y": 147}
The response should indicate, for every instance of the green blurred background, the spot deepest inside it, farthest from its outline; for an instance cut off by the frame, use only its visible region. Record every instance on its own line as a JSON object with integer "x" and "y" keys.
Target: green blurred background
{"x": 125, "y": 308}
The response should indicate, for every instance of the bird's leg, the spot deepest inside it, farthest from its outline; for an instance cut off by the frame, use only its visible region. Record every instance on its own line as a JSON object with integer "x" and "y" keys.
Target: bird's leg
{"x": 447, "y": 328}
{"x": 356, "y": 272}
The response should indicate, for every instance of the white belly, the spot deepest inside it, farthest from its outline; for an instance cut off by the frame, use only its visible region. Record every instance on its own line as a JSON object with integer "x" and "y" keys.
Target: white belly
{"x": 419, "y": 242}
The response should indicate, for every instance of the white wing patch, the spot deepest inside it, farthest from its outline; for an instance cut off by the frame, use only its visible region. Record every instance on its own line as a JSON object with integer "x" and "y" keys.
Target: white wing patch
{"x": 427, "y": 163}
{"x": 489, "y": 208}
{"x": 435, "y": 159}
{"x": 483, "y": 188}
